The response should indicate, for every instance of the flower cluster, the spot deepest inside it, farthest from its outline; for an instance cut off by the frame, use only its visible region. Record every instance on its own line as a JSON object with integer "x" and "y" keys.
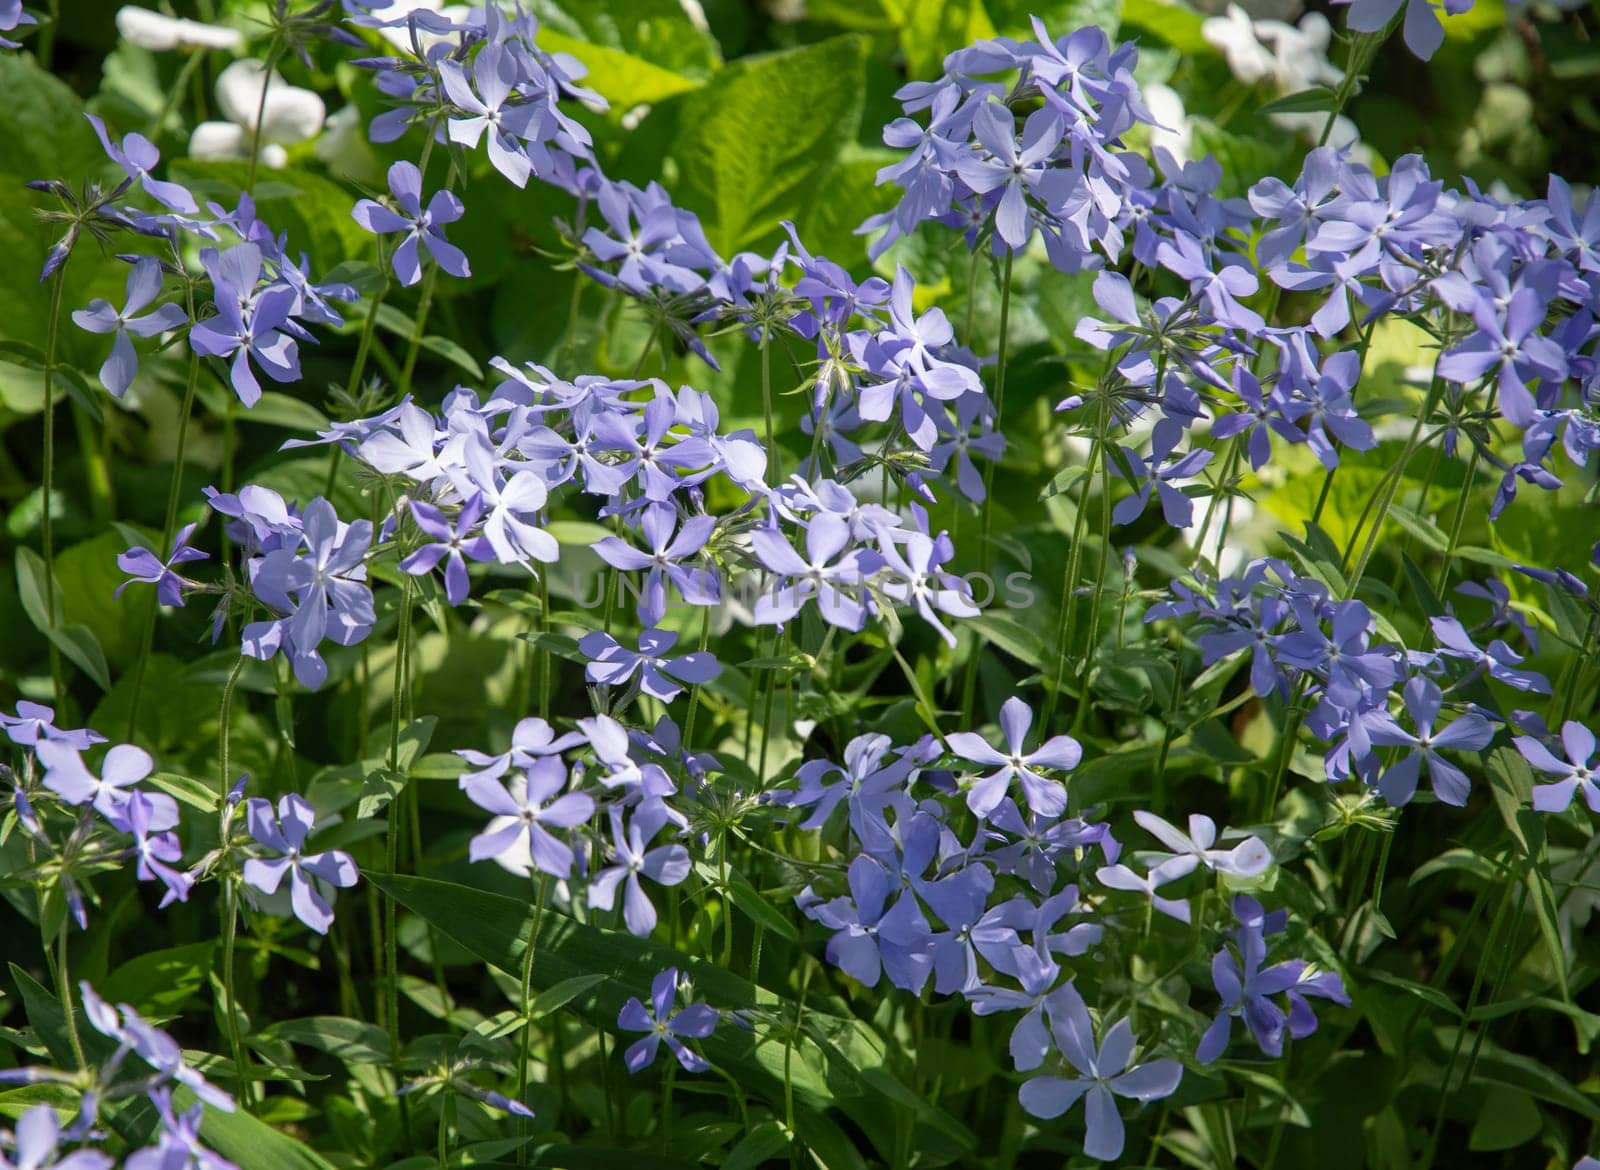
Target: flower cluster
{"x": 85, "y": 817}
{"x": 157, "y": 1071}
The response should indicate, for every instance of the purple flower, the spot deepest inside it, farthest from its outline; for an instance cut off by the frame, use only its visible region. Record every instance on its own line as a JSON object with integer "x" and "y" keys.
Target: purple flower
{"x": 453, "y": 544}
{"x": 1221, "y": 281}
{"x": 1017, "y": 169}
{"x": 1508, "y": 344}
{"x": 530, "y": 739}
{"x": 286, "y": 834}
{"x": 144, "y": 285}
{"x": 35, "y": 1144}
{"x": 867, "y": 780}
{"x": 69, "y": 777}
{"x": 694, "y": 1022}
{"x": 1249, "y": 858}
{"x": 666, "y": 865}
{"x": 133, "y": 1033}
{"x": 137, "y": 156}
{"x": 322, "y": 586}
{"x": 147, "y": 819}
{"x": 874, "y": 936}
{"x": 424, "y": 226}
{"x": 612, "y": 664}
{"x": 1247, "y": 989}
{"x": 12, "y": 16}
{"x": 1045, "y": 796}
{"x": 530, "y": 805}
{"x": 657, "y": 522}
{"x": 1157, "y": 473}
{"x": 247, "y": 324}
{"x": 178, "y": 1144}
{"x": 34, "y": 723}
{"x": 1423, "y": 33}
{"x": 1574, "y": 772}
{"x": 482, "y": 105}
{"x": 1106, "y": 1073}
{"x": 833, "y": 573}
{"x": 143, "y": 565}
{"x": 1470, "y": 733}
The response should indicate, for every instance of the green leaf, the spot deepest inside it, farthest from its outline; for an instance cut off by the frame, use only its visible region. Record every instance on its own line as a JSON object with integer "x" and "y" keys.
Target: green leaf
{"x": 767, "y": 1140}
{"x": 563, "y": 993}
{"x": 1496, "y": 1066}
{"x": 160, "y": 983}
{"x": 249, "y": 1142}
{"x": 394, "y": 321}
{"x": 1423, "y": 992}
{"x": 1016, "y": 639}
{"x": 1317, "y": 100}
{"x": 830, "y": 1066}
{"x": 932, "y": 29}
{"x": 74, "y": 641}
{"x": 636, "y": 51}
{"x": 747, "y": 155}
{"x": 758, "y": 909}
{"x": 351, "y": 1041}
{"x": 1506, "y": 1119}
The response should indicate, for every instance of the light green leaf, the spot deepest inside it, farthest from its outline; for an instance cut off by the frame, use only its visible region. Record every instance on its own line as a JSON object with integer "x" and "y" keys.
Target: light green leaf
{"x": 759, "y": 143}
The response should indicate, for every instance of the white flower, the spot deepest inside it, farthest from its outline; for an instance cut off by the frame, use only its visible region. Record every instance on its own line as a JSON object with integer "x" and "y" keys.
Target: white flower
{"x": 291, "y": 115}
{"x": 1300, "y": 55}
{"x": 160, "y": 33}
{"x": 1235, "y": 35}
{"x": 344, "y": 150}
{"x": 225, "y": 142}
{"x": 1171, "y": 129}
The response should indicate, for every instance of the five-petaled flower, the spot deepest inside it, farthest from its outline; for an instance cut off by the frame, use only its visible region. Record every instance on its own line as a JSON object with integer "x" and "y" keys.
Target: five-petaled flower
{"x": 661, "y": 1024}
{"x": 285, "y": 833}
{"x": 423, "y": 226}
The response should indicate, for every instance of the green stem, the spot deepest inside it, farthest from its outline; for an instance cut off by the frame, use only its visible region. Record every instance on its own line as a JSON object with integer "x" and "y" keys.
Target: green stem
{"x": 525, "y": 1045}
{"x": 47, "y": 520}
{"x": 1386, "y": 496}
{"x": 666, "y": 1106}
{"x": 168, "y": 529}
{"x": 64, "y": 993}
{"x": 446, "y": 1108}
{"x": 391, "y": 939}
{"x": 766, "y": 405}
{"x": 1067, "y": 613}
{"x": 241, "y": 1056}
{"x": 225, "y": 733}
{"x": 261, "y": 115}
{"x": 694, "y": 691}
{"x": 1461, "y": 1032}
{"x": 970, "y": 685}
{"x": 153, "y": 130}
{"x": 1092, "y": 641}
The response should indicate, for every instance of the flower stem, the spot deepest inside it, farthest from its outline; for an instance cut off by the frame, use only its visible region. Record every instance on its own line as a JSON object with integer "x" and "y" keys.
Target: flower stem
{"x": 241, "y": 1056}
{"x": 261, "y": 116}
{"x": 766, "y": 404}
{"x": 64, "y": 993}
{"x": 970, "y": 685}
{"x": 391, "y": 934}
{"x": 526, "y": 1004}
{"x": 47, "y": 519}
{"x": 168, "y": 528}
